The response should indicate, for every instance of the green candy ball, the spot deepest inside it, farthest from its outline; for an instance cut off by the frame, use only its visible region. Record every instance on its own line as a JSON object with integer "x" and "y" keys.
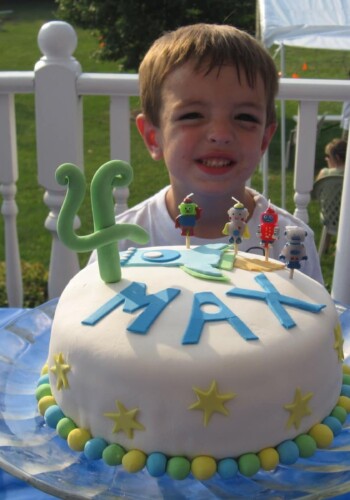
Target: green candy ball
{"x": 248, "y": 464}
{"x": 42, "y": 390}
{"x": 113, "y": 454}
{"x": 339, "y": 413}
{"x": 178, "y": 467}
{"x": 64, "y": 426}
{"x": 306, "y": 444}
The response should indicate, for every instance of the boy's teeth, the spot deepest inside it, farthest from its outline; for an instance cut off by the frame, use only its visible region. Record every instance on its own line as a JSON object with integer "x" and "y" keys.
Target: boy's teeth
{"x": 216, "y": 163}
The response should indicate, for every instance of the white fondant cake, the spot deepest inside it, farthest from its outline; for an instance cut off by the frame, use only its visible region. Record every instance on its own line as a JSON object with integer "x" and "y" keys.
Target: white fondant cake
{"x": 219, "y": 366}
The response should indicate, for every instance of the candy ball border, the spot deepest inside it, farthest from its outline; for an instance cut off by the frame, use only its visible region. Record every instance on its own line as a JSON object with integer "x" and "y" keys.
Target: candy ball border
{"x": 320, "y": 436}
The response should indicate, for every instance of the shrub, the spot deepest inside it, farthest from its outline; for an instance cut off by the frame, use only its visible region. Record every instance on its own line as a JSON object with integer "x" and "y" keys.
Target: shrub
{"x": 125, "y": 29}
{"x": 35, "y": 278}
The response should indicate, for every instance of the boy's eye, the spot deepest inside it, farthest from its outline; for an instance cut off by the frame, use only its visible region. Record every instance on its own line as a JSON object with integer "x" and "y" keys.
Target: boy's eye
{"x": 193, "y": 115}
{"x": 246, "y": 117}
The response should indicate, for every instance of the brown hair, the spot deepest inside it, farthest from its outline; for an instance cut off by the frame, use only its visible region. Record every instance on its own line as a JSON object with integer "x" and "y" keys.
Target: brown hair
{"x": 336, "y": 150}
{"x": 210, "y": 46}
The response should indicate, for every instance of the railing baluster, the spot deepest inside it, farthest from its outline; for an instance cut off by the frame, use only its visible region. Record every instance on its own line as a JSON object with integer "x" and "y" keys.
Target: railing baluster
{"x": 12, "y": 257}
{"x": 8, "y": 179}
{"x": 305, "y": 157}
{"x": 120, "y": 143}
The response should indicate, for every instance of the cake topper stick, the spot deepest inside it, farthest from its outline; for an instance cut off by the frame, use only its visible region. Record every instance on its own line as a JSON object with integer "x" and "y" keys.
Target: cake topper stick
{"x": 268, "y": 230}
{"x": 186, "y": 220}
{"x": 237, "y": 227}
{"x": 294, "y": 250}
{"x": 112, "y": 174}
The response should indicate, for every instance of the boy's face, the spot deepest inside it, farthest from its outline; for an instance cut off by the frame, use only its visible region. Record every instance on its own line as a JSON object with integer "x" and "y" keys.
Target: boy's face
{"x": 212, "y": 130}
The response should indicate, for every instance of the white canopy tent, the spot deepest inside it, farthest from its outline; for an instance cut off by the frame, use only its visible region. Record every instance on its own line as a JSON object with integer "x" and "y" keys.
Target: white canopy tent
{"x": 318, "y": 24}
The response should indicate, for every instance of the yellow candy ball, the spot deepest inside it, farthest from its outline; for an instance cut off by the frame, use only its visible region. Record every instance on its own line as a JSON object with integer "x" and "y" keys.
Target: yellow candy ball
{"x": 322, "y": 435}
{"x": 344, "y": 402}
{"x": 45, "y": 369}
{"x": 77, "y": 439}
{"x": 269, "y": 458}
{"x": 44, "y": 403}
{"x": 203, "y": 468}
{"x": 134, "y": 460}
{"x": 346, "y": 369}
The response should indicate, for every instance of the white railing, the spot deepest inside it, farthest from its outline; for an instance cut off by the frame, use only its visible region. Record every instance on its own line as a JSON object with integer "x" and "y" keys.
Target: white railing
{"x": 59, "y": 85}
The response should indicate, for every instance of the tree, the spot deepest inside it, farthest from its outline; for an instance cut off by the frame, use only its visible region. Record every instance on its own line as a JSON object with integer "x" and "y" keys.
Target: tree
{"x": 126, "y": 28}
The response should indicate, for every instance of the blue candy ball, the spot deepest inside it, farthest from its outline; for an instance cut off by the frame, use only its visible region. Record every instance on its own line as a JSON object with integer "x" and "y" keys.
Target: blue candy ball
{"x": 53, "y": 415}
{"x": 227, "y": 468}
{"x": 44, "y": 379}
{"x": 288, "y": 452}
{"x": 345, "y": 390}
{"x": 93, "y": 448}
{"x": 334, "y": 425}
{"x": 156, "y": 464}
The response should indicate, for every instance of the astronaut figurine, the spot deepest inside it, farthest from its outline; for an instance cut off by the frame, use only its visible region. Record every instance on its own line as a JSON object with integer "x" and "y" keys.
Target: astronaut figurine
{"x": 268, "y": 230}
{"x": 237, "y": 228}
{"x": 186, "y": 220}
{"x": 294, "y": 250}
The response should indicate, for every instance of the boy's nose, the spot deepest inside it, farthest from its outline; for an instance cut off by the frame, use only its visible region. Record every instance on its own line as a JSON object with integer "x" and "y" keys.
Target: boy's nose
{"x": 219, "y": 140}
{"x": 220, "y": 134}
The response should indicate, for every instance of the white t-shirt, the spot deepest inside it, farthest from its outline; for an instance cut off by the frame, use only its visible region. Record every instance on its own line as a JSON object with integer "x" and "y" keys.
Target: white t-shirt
{"x": 153, "y": 216}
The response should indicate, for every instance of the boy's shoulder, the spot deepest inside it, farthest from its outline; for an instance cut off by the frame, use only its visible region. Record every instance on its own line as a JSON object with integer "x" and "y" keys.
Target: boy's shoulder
{"x": 154, "y": 203}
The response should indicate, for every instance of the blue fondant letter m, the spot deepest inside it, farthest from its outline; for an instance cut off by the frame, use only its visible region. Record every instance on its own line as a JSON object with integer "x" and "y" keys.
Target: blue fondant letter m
{"x": 134, "y": 297}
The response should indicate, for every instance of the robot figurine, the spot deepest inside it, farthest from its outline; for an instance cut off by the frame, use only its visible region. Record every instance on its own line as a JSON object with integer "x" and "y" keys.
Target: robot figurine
{"x": 294, "y": 250}
{"x": 268, "y": 230}
{"x": 186, "y": 220}
{"x": 237, "y": 228}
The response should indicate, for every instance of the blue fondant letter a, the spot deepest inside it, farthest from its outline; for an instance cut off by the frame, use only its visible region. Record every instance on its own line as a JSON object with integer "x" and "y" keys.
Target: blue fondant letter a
{"x": 199, "y": 317}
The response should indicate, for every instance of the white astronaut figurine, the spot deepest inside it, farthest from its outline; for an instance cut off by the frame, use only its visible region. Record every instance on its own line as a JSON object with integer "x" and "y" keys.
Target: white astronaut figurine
{"x": 294, "y": 250}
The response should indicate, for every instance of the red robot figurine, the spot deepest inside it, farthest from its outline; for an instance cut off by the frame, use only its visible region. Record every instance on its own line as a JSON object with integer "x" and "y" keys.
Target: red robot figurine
{"x": 268, "y": 230}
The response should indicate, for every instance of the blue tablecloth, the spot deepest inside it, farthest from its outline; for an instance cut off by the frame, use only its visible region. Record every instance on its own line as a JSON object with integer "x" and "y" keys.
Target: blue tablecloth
{"x": 12, "y": 488}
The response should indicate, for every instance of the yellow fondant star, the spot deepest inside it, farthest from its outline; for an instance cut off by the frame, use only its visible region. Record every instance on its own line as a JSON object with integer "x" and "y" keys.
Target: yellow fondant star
{"x": 60, "y": 369}
{"x": 211, "y": 401}
{"x": 125, "y": 420}
{"x": 298, "y": 409}
{"x": 339, "y": 342}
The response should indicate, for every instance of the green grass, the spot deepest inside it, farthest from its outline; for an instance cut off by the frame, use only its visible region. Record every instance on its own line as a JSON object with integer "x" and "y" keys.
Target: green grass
{"x": 19, "y": 33}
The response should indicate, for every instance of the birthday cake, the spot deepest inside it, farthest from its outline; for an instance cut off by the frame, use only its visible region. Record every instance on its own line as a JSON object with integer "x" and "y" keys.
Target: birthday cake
{"x": 197, "y": 360}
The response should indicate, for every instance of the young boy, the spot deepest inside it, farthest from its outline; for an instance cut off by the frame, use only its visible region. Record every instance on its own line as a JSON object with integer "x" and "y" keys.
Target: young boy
{"x": 208, "y": 110}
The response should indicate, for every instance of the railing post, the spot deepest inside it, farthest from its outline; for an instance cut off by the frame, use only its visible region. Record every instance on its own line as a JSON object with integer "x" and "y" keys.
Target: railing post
{"x": 8, "y": 179}
{"x": 341, "y": 276}
{"x": 59, "y": 133}
{"x": 305, "y": 157}
{"x": 120, "y": 143}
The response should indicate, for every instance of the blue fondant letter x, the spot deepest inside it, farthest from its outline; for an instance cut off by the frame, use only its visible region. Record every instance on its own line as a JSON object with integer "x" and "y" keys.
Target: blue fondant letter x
{"x": 274, "y": 299}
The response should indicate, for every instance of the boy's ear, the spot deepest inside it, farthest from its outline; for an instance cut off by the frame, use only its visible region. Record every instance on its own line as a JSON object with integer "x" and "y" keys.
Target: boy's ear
{"x": 268, "y": 134}
{"x": 149, "y": 133}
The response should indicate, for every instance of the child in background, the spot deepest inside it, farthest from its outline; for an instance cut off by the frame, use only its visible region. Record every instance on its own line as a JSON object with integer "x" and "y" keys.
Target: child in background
{"x": 335, "y": 154}
{"x": 208, "y": 110}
